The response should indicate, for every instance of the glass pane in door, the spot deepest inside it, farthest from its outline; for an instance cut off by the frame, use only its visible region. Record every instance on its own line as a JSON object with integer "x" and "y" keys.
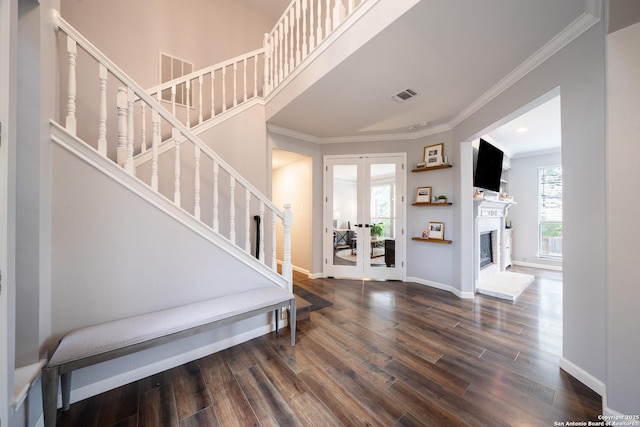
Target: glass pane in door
{"x": 382, "y": 182}
{"x": 345, "y": 214}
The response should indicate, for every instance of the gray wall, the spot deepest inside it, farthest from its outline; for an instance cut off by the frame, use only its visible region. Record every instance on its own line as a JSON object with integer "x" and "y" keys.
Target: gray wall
{"x": 623, "y": 151}
{"x": 523, "y": 186}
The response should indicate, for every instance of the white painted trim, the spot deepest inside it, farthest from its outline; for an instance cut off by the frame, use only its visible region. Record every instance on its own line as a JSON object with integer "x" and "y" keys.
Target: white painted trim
{"x": 537, "y": 265}
{"x": 127, "y": 377}
{"x": 140, "y": 188}
{"x": 442, "y": 286}
{"x": 583, "y": 376}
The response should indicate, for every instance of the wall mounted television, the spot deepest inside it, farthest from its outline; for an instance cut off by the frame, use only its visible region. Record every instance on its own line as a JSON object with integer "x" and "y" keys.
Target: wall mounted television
{"x": 488, "y": 167}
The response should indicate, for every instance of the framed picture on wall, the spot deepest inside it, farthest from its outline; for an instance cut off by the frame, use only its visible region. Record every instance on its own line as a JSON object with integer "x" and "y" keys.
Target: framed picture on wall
{"x": 433, "y": 155}
{"x": 423, "y": 195}
{"x": 436, "y": 230}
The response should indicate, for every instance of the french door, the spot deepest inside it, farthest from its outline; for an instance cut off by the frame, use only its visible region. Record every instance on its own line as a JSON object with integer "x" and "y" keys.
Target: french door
{"x": 364, "y": 216}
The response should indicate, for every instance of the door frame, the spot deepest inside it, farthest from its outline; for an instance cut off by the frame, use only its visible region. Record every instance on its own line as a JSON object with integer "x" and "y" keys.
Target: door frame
{"x": 327, "y": 215}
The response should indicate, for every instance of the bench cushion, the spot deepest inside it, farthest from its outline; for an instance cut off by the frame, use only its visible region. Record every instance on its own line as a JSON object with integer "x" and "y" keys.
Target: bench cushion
{"x": 105, "y": 337}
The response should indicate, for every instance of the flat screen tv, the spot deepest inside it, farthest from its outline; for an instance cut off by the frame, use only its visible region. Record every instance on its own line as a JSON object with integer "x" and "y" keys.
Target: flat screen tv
{"x": 488, "y": 167}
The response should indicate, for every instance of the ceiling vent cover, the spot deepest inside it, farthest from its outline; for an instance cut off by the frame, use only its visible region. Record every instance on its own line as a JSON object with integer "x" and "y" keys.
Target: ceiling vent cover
{"x": 404, "y": 95}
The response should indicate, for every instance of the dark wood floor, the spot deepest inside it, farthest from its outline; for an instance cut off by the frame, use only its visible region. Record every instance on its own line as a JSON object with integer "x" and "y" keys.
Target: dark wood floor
{"x": 385, "y": 354}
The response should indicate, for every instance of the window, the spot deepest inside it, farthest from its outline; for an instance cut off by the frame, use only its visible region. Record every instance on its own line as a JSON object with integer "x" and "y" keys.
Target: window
{"x": 172, "y": 68}
{"x": 550, "y": 212}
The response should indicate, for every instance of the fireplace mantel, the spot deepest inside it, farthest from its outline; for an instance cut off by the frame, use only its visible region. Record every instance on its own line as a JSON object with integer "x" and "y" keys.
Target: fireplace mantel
{"x": 496, "y": 208}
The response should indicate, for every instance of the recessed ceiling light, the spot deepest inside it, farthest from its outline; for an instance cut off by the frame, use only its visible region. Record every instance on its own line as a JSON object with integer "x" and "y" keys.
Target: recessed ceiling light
{"x": 522, "y": 130}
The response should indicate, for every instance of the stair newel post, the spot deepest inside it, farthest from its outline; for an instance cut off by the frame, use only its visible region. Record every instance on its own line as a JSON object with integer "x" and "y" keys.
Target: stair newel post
{"x": 155, "y": 129}
{"x": 102, "y": 121}
{"x": 287, "y": 268}
{"x": 196, "y": 197}
{"x": 199, "y": 99}
{"x": 224, "y": 88}
{"x": 129, "y": 167}
{"x": 72, "y": 51}
{"x": 261, "y": 233}
{"x": 143, "y": 127}
{"x": 339, "y": 13}
{"x": 305, "y": 47}
{"x": 178, "y": 138}
{"x": 187, "y": 103}
{"x": 266, "y": 88}
{"x": 232, "y": 209}
{"x": 247, "y": 214}
{"x": 312, "y": 38}
{"x": 216, "y": 171}
{"x": 121, "y": 104}
{"x": 274, "y": 221}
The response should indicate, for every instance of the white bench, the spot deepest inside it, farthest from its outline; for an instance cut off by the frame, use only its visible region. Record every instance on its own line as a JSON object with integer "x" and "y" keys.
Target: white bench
{"x": 94, "y": 344}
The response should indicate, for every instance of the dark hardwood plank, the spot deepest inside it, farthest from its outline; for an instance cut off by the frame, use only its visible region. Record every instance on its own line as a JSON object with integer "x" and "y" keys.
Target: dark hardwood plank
{"x": 157, "y": 408}
{"x": 312, "y": 412}
{"x": 119, "y": 404}
{"x": 189, "y": 390}
{"x": 204, "y": 418}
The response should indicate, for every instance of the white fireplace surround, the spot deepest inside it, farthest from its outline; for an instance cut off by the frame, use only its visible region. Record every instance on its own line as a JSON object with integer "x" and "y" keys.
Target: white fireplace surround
{"x": 490, "y": 217}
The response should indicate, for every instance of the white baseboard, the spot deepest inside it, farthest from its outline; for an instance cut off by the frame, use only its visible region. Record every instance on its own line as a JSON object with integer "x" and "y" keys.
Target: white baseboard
{"x": 537, "y": 265}
{"x": 116, "y": 381}
{"x": 617, "y": 418}
{"x": 583, "y": 376}
{"x": 441, "y": 286}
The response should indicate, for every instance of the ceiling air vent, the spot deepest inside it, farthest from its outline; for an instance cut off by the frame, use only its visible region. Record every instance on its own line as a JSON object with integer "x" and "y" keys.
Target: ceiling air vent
{"x": 404, "y": 95}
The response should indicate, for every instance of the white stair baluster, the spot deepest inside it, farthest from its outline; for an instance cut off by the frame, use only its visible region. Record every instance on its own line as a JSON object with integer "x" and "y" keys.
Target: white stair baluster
{"x": 255, "y": 76}
{"x": 305, "y": 47}
{"x": 224, "y": 89}
{"x": 280, "y": 53}
{"x": 72, "y": 51}
{"x": 312, "y": 38}
{"x": 199, "y": 99}
{"x": 232, "y": 210}
{"x": 298, "y": 41}
{"x": 245, "y": 79}
{"x": 129, "y": 167}
{"x": 247, "y": 222}
{"x": 267, "y": 66}
{"x": 351, "y": 6}
{"x": 261, "y": 234}
{"x": 196, "y": 197}
{"x": 235, "y": 84}
{"x": 102, "y": 121}
{"x": 187, "y": 103}
{"x": 121, "y": 104}
{"x": 143, "y": 127}
{"x": 327, "y": 20}
{"x": 155, "y": 129}
{"x": 338, "y": 13}
{"x": 216, "y": 170}
{"x": 292, "y": 21}
{"x": 213, "y": 82}
{"x": 176, "y": 168}
{"x": 173, "y": 100}
{"x": 286, "y": 45}
{"x": 319, "y": 29}
{"x": 274, "y": 262}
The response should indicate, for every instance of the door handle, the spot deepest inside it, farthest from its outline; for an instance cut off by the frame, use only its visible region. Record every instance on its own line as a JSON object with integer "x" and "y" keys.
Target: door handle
{"x": 367, "y": 225}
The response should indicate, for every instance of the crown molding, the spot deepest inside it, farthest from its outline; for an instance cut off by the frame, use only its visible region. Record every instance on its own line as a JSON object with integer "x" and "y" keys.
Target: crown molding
{"x": 591, "y": 16}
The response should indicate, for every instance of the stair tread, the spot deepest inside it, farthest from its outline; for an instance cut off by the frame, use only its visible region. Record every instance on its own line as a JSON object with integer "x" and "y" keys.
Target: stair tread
{"x": 302, "y": 304}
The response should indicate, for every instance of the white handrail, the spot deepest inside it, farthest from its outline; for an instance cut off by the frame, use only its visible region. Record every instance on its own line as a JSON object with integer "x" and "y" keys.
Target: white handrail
{"x": 181, "y": 133}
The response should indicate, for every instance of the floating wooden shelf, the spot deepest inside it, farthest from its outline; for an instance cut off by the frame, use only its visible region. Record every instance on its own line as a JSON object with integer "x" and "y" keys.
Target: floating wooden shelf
{"x": 420, "y": 239}
{"x": 431, "y": 204}
{"x": 432, "y": 168}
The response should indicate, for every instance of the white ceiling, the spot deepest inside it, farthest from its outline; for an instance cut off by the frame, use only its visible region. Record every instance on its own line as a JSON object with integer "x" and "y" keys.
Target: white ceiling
{"x": 451, "y": 52}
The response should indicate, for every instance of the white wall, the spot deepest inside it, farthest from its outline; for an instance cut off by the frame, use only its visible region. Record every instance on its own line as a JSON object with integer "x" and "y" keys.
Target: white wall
{"x": 623, "y": 152}
{"x": 578, "y": 69}
{"x": 523, "y": 186}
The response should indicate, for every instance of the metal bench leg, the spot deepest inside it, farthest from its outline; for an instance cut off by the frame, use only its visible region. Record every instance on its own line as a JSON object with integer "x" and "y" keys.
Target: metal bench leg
{"x": 65, "y": 380}
{"x": 277, "y": 314}
{"x": 50, "y": 395}
{"x": 292, "y": 321}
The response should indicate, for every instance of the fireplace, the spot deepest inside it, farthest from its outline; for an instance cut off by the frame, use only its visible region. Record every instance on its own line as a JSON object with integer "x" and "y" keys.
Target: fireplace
{"x": 486, "y": 250}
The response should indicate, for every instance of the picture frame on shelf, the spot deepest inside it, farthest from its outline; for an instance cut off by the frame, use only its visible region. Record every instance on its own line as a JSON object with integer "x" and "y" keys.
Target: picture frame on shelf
{"x": 423, "y": 195}
{"x": 425, "y": 234}
{"x": 436, "y": 230}
{"x": 433, "y": 155}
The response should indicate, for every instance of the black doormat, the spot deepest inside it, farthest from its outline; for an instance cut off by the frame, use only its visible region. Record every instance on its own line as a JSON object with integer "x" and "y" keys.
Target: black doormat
{"x": 316, "y": 302}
